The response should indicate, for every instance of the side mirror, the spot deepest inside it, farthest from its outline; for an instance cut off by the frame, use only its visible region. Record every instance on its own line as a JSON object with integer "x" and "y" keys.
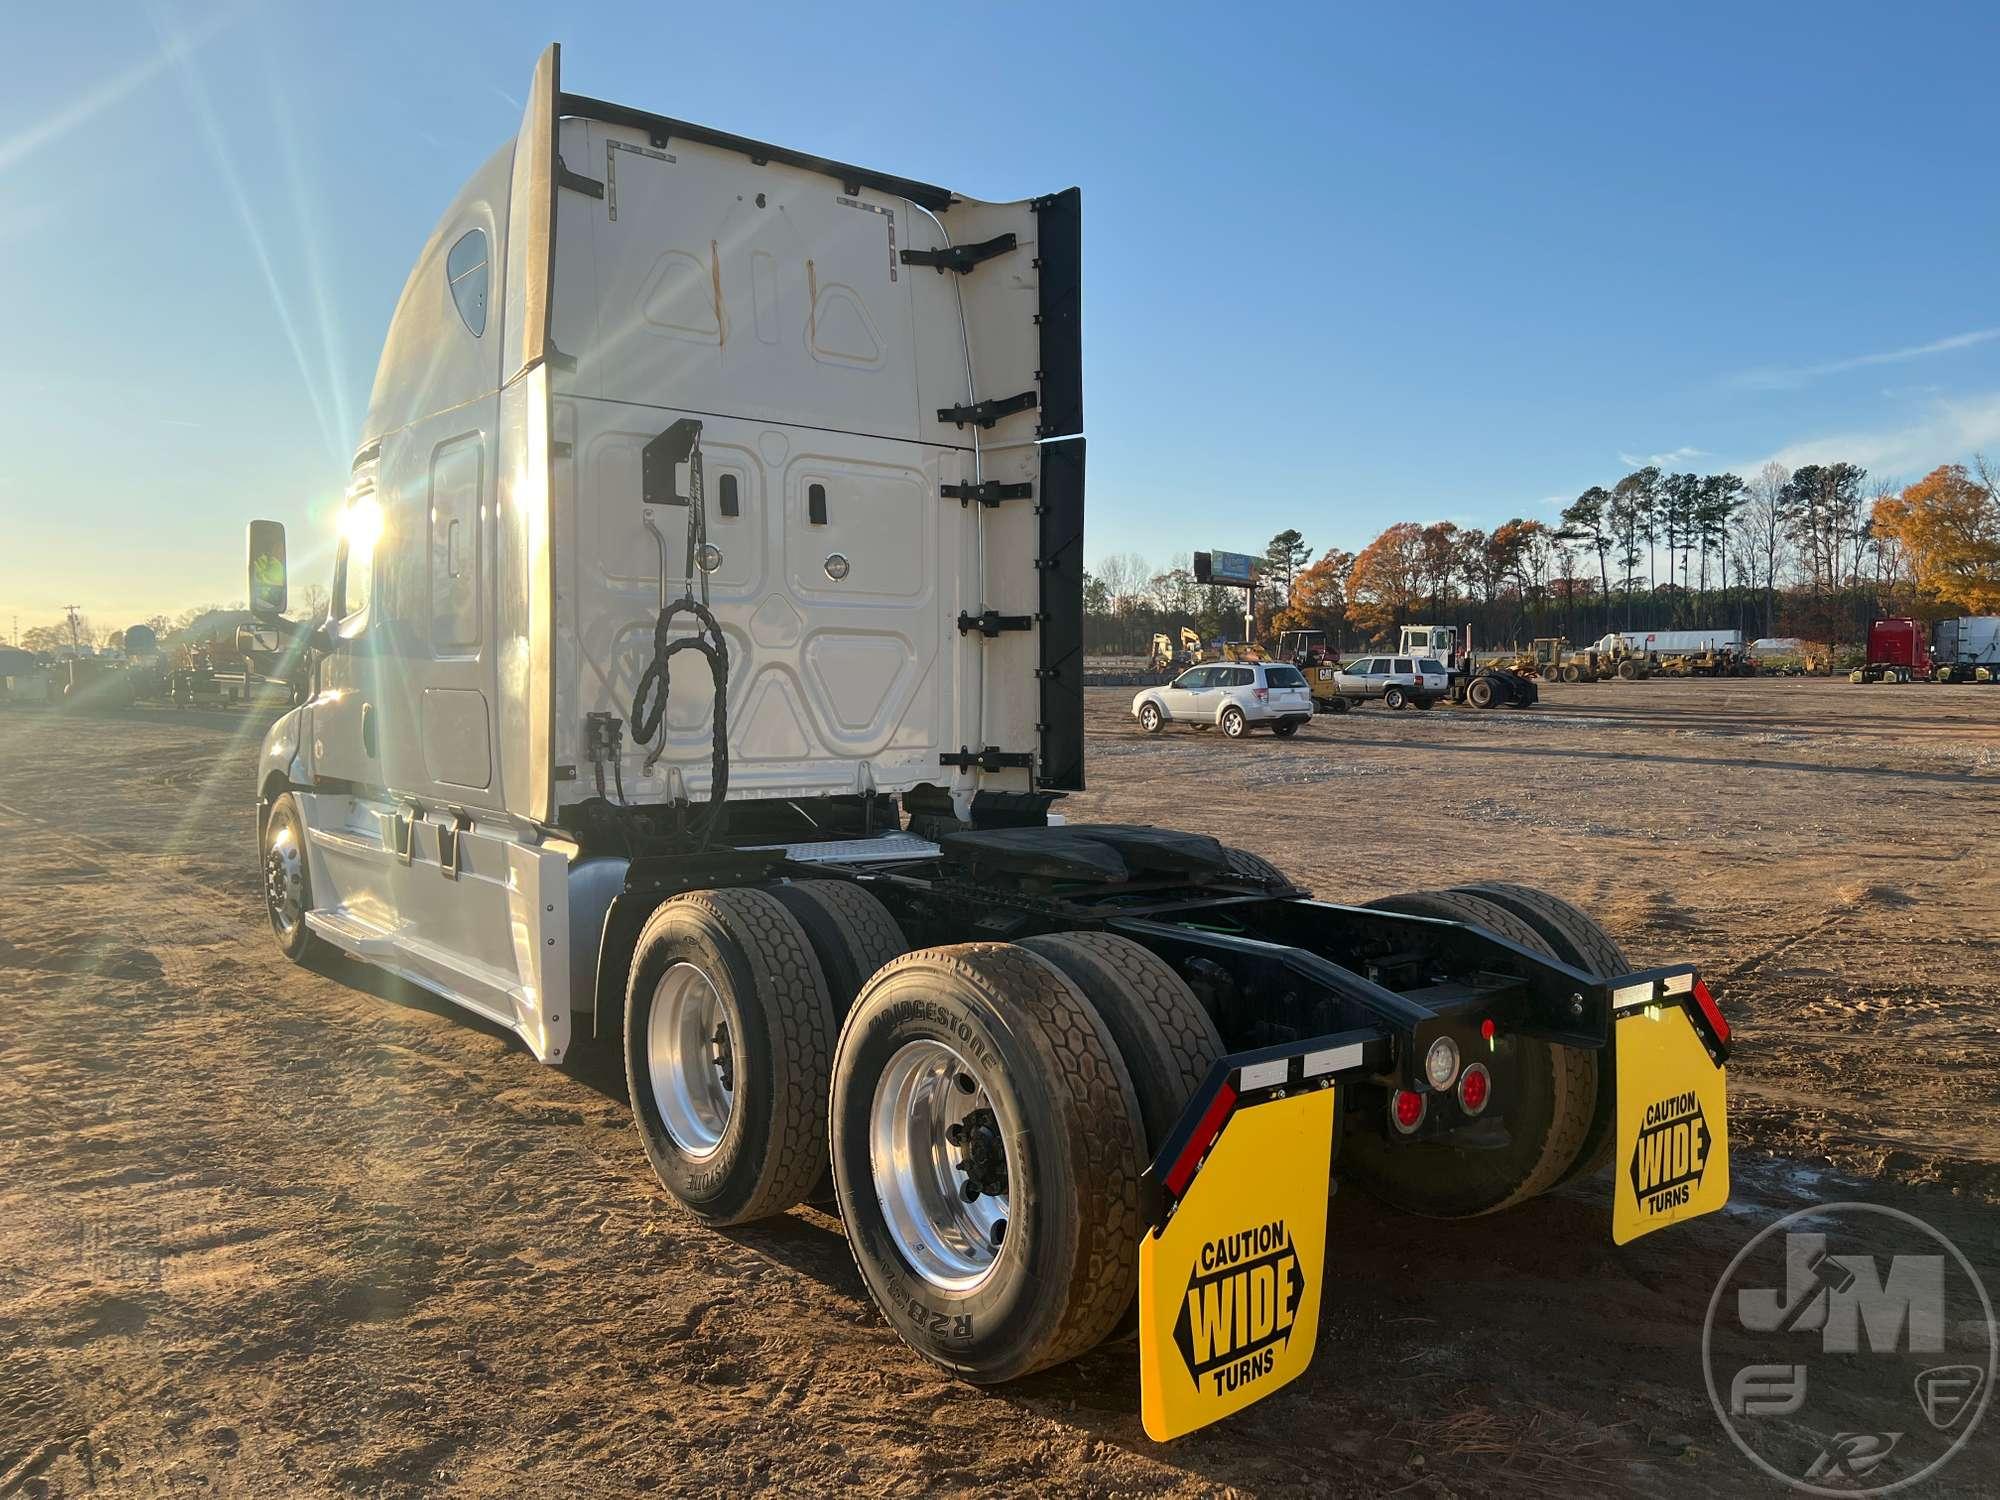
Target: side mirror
{"x": 268, "y": 596}
{"x": 256, "y": 638}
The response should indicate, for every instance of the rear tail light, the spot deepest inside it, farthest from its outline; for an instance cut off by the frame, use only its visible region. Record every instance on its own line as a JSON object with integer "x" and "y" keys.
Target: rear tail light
{"x": 1475, "y": 1088}
{"x": 1263, "y": 695}
{"x": 1406, "y": 1111}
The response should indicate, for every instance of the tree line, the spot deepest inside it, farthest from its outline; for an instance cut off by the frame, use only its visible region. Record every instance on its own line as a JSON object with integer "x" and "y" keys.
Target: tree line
{"x": 1814, "y": 552}
{"x": 49, "y": 639}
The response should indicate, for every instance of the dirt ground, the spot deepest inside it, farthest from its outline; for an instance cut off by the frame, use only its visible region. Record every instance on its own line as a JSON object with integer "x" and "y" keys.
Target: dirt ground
{"x": 267, "y": 1231}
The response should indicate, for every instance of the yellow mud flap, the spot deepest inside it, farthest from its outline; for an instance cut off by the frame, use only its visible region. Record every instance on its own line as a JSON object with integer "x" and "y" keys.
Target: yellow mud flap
{"x": 1672, "y": 1160}
{"x": 1230, "y": 1274}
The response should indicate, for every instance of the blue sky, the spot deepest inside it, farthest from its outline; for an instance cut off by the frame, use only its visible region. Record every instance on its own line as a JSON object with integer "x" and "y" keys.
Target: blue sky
{"x": 1342, "y": 266}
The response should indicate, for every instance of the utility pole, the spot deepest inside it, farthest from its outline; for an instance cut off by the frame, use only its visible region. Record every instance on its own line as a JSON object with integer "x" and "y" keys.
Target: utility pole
{"x": 73, "y": 643}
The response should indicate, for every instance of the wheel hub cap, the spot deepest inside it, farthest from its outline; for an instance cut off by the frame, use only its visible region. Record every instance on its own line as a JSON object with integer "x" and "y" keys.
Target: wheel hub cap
{"x": 939, "y": 1154}
{"x": 690, "y": 1061}
{"x": 285, "y": 881}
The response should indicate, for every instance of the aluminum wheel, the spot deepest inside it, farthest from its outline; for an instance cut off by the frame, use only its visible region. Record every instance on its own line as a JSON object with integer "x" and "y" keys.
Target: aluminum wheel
{"x": 689, "y": 1060}
{"x": 938, "y": 1151}
{"x": 285, "y": 878}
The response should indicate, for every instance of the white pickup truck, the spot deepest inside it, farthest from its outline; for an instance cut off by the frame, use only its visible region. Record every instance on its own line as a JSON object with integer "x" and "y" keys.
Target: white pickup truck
{"x": 704, "y": 661}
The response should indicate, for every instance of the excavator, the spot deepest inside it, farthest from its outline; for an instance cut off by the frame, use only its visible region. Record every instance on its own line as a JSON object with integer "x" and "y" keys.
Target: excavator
{"x": 1165, "y": 658}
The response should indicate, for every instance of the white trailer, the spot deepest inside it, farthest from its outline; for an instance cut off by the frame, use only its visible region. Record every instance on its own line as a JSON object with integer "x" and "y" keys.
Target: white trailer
{"x": 1967, "y": 649}
{"x": 703, "y": 660}
{"x": 1674, "y": 642}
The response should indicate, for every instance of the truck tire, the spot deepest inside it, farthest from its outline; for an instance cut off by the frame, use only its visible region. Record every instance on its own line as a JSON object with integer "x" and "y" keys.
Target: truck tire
{"x": 980, "y": 1069}
{"x": 288, "y": 883}
{"x": 1479, "y": 692}
{"x": 1548, "y": 1093}
{"x": 1627, "y": 672}
{"x": 1260, "y": 871}
{"x": 1572, "y": 674}
{"x": 1580, "y": 942}
{"x": 1393, "y": 697}
{"x": 851, "y": 932}
{"x": 729, "y": 1036}
{"x": 1335, "y": 706}
{"x": 1166, "y": 1038}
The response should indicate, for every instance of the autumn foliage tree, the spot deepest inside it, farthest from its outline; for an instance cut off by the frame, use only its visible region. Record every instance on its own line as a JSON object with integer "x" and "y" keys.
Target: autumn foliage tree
{"x": 1386, "y": 583}
{"x": 1948, "y": 526}
{"x": 1318, "y": 596}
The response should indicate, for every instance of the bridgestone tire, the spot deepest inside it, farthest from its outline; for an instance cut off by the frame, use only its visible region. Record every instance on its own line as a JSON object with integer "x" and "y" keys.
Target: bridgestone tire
{"x": 1260, "y": 871}
{"x": 851, "y": 932}
{"x": 1166, "y": 1038}
{"x": 1546, "y": 1093}
{"x": 1480, "y": 692}
{"x": 1581, "y": 943}
{"x": 1067, "y": 1267}
{"x": 781, "y": 1030}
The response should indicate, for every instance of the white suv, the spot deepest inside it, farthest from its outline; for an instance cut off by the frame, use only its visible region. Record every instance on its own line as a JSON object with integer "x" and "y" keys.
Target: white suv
{"x": 1396, "y": 680}
{"x": 1236, "y": 696}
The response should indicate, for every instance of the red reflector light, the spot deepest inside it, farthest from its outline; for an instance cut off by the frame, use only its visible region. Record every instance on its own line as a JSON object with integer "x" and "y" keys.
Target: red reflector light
{"x": 1486, "y": 1029}
{"x": 1710, "y": 1009}
{"x": 1205, "y": 1132}
{"x": 1474, "y": 1089}
{"x": 1408, "y": 1110}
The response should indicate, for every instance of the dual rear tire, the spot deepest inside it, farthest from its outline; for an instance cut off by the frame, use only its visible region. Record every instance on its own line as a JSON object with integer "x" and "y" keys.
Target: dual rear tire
{"x": 994, "y": 1106}
{"x": 986, "y": 1109}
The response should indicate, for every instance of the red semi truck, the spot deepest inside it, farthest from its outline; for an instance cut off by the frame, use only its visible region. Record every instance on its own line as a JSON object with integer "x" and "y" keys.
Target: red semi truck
{"x": 1898, "y": 651}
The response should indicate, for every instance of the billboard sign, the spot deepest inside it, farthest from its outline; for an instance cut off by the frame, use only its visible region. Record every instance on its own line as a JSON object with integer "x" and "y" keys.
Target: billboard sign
{"x": 1237, "y": 569}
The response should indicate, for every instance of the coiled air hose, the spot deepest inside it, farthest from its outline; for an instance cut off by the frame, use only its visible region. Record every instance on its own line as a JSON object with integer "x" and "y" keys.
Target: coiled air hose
{"x": 649, "y": 699}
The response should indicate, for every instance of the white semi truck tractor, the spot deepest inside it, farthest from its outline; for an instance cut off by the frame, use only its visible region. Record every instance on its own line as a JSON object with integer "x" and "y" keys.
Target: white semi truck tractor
{"x": 702, "y": 666}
